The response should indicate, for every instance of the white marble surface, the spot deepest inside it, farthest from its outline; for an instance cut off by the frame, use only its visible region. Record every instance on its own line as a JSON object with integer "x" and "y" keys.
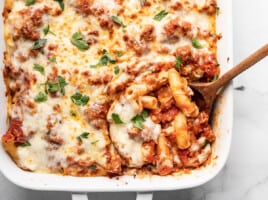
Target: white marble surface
{"x": 245, "y": 175}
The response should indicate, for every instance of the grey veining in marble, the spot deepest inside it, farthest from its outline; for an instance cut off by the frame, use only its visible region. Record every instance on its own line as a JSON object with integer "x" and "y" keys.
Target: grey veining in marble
{"x": 245, "y": 176}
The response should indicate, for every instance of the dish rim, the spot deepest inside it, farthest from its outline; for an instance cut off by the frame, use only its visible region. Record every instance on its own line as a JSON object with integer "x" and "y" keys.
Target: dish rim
{"x": 54, "y": 182}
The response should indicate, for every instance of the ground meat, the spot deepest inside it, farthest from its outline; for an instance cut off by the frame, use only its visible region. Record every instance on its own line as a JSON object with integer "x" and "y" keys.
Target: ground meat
{"x": 171, "y": 31}
{"x": 28, "y": 32}
{"x": 32, "y": 21}
{"x": 210, "y": 7}
{"x": 100, "y": 79}
{"x": 200, "y": 126}
{"x": 15, "y": 132}
{"x": 85, "y": 6}
{"x": 177, "y": 6}
{"x": 106, "y": 22}
{"x": 97, "y": 110}
{"x": 148, "y": 33}
{"x": 171, "y": 27}
{"x": 164, "y": 116}
{"x": 185, "y": 52}
{"x": 138, "y": 46}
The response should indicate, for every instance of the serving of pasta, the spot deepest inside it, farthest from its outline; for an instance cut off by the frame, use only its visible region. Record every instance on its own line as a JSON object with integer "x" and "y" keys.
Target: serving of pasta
{"x": 100, "y": 87}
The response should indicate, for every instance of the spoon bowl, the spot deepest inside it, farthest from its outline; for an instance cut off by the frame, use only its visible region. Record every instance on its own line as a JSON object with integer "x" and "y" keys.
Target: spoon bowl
{"x": 206, "y": 93}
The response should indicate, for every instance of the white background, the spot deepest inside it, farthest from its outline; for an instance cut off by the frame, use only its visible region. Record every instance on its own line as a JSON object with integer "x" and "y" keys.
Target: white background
{"x": 245, "y": 175}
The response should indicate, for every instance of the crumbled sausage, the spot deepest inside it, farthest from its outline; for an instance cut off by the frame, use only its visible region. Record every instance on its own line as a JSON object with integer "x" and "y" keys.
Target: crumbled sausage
{"x": 184, "y": 52}
{"x": 97, "y": 110}
{"x": 85, "y": 6}
{"x": 138, "y": 46}
{"x": 148, "y": 33}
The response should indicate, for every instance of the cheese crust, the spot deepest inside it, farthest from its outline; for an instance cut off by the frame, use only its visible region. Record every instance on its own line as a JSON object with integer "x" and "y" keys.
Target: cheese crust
{"x": 100, "y": 87}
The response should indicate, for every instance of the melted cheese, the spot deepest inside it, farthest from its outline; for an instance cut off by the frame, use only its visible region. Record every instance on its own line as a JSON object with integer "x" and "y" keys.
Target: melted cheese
{"x": 74, "y": 65}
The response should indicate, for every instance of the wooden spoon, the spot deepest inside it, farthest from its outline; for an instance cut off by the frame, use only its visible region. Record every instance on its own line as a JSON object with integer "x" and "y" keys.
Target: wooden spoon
{"x": 209, "y": 91}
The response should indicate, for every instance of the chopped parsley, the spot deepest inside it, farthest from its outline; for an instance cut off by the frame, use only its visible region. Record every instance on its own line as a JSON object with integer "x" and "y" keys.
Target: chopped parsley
{"x": 72, "y": 113}
{"x": 139, "y": 119}
{"x": 29, "y": 2}
{"x": 39, "y": 68}
{"x": 118, "y": 21}
{"x": 119, "y": 53}
{"x": 116, "y": 69}
{"x": 82, "y": 136}
{"x": 25, "y": 144}
{"x": 56, "y": 86}
{"x": 39, "y": 44}
{"x": 62, "y": 84}
{"x": 95, "y": 142}
{"x": 52, "y": 87}
{"x": 79, "y": 99}
{"x": 196, "y": 44}
{"x": 178, "y": 63}
{"x": 93, "y": 167}
{"x": 117, "y": 118}
{"x": 61, "y": 4}
{"x": 106, "y": 58}
{"x": 77, "y": 40}
{"x": 40, "y": 97}
{"x": 217, "y": 10}
{"x": 48, "y": 132}
{"x": 159, "y": 16}
{"x": 205, "y": 144}
{"x": 53, "y": 60}
{"x": 47, "y": 30}
{"x": 93, "y": 66}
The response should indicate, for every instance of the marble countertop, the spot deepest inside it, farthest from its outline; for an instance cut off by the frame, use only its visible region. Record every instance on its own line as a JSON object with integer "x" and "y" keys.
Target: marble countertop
{"x": 245, "y": 175}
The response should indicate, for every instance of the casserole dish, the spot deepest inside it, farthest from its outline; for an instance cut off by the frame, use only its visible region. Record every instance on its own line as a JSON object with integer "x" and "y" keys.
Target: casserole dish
{"x": 222, "y": 126}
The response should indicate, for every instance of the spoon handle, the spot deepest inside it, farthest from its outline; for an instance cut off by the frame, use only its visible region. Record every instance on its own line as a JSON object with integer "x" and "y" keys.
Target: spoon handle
{"x": 242, "y": 66}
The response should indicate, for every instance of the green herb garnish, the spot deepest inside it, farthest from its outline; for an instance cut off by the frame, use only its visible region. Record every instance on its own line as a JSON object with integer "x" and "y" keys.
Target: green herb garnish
{"x": 53, "y": 60}
{"x": 25, "y": 144}
{"x": 92, "y": 167}
{"x": 72, "y": 113}
{"x": 160, "y": 15}
{"x": 116, "y": 118}
{"x": 93, "y": 66}
{"x": 62, "y": 84}
{"x": 95, "y": 142}
{"x": 139, "y": 119}
{"x": 196, "y": 44}
{"x": 79, "y": 99}
{"x": 116, "y": 69}
{"x": 52, "y": 87}
{"x": 178, "y": 63}
{"x": 118, "y": 21}
{"x": 56, "y": 86}
{"x": 61, "y": 4}
{"x": 48, "y": 132}
{"x": 39, "y": 44}
{"x": 47, "y": 30}
{"x": 205, "y": 144}
{"x": 77, "y": 40}
{"x": 106, "y": 58}
{"x": 29, "y": 2}
{"x": 217, "y": 10}
{"x": 119, "y": 53}
{"x": 39, "y": 68}
{"x": 82, "y": 136}
{"x": 40, "y": 97}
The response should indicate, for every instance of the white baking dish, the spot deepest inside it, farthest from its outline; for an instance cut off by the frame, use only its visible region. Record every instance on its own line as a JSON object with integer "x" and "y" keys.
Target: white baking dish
{"x": 222, "y": 126}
